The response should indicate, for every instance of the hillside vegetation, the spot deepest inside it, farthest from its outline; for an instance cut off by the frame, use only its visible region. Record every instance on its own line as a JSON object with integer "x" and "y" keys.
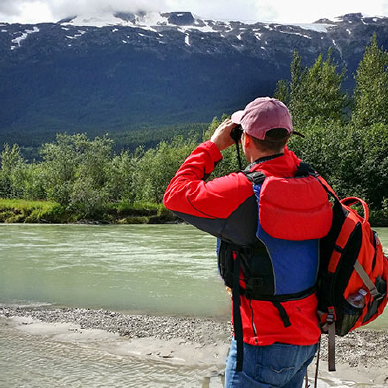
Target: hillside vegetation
{"x": 346, "y": 141}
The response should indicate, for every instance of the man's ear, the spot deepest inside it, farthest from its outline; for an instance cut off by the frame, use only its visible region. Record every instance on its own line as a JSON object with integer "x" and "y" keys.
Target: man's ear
{"x": 246, "y": 139}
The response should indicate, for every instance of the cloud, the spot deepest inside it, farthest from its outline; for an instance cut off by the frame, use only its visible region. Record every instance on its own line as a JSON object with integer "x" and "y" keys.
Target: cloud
{"x": 211, "y": 9}
{"x": 63, "y": 8}
{"x": 227, "y": 9}
{"x": 53, "y": 10}
{"x": 24, "y": 11}
{"x": 12, "y": 7}
{"x": 283, "y": 11}
{"x": 384, "y": 8}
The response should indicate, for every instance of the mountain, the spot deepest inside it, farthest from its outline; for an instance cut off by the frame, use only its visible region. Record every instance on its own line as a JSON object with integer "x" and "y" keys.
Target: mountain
{"x": 130, "y": 71}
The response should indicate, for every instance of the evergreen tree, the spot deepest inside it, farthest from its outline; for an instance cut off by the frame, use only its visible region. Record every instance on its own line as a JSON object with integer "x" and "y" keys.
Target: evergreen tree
{"x": 370, "y": 94}
{"x": 282, "y": 91}
{"x": 314, "y": 94}
{"x": 297, "y": 88}
{"x": 325, "y": 99}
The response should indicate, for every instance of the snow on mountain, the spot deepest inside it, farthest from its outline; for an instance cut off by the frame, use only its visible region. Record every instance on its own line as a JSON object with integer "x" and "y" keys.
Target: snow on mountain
{"x": 17, "y": 41}
{"x": 122, "y": 70}
{"x": 153, "y": 20}
{"x": 143, "y": 20}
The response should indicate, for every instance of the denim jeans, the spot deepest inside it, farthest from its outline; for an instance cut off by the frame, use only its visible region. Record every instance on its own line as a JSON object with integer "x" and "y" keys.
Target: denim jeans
{"x": 277, "y": 365}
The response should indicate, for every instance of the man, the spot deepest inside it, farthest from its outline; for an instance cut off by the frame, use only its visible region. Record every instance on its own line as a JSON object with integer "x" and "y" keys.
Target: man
{"x": 278, "y": 335}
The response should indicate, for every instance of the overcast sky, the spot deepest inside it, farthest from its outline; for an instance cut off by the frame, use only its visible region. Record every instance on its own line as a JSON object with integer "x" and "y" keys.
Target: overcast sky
{"x": 282, "y": 11}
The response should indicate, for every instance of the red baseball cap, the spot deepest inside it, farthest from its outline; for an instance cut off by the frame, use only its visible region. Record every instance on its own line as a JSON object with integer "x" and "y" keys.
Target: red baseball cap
{"x": 262, "y": 115}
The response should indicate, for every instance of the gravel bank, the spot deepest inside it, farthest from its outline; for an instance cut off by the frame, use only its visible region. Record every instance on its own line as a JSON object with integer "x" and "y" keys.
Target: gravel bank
{"x": 197, "y": 330}
{"x": 363, "y": 351}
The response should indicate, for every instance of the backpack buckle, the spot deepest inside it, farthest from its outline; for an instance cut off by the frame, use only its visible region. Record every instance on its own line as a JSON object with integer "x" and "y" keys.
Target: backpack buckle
{"x": 378, "y": 297}
{"x": 331, "y": 317}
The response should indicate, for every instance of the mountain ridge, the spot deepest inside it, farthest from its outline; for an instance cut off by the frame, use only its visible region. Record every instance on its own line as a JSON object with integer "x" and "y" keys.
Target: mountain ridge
{"x": 155, "y": 69}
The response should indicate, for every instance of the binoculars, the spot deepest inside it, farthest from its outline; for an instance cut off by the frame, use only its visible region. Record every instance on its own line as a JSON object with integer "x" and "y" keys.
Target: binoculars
{"x": 236, "y": 133}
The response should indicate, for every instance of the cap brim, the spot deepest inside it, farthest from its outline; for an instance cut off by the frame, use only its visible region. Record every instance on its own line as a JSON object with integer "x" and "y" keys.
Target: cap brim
{"x": 236, "y": 116}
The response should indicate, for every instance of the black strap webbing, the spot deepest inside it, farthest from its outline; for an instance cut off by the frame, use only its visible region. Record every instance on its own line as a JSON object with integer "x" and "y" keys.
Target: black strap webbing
{"x": 283, "y": 314}
{"x": 237, "y": 322}
{"x": 238, "y": 155}
{"x": 253, "y": 295}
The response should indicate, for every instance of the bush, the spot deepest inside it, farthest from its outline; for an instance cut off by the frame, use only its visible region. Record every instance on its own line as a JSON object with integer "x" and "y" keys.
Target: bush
{"x": 87, "y": 200}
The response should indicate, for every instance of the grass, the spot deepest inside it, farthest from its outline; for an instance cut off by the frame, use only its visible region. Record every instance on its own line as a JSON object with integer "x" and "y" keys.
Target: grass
{"x": 20, "y": 210}
{"x": 24, "y": 211}
{"x": 140, "y": 213}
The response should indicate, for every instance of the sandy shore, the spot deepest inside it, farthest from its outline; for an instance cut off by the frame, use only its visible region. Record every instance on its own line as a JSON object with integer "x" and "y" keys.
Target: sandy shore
{"x": 361, "y": 356}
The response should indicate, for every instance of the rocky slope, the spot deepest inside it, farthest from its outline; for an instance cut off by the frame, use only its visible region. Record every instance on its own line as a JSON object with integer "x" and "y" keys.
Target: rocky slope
{"x": 132, "y": 70}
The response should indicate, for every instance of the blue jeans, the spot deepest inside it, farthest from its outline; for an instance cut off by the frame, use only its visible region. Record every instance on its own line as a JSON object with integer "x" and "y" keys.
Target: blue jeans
{"x": 277, "y": 365}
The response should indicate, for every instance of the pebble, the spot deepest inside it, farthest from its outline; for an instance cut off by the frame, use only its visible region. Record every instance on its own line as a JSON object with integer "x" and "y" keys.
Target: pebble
{"x": 195, "y": 330}
{"x": 361, "y": 348}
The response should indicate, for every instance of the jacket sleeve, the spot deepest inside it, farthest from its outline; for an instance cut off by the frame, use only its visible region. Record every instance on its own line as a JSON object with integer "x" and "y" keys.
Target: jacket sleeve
{"x": 218, "y": 206}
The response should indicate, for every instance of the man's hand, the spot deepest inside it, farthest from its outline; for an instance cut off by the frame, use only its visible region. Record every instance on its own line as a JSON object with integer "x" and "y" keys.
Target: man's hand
{"x": 221, "y": 136}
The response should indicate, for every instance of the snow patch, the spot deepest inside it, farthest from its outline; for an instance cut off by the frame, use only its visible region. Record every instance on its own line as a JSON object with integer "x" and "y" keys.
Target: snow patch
{"x": 150, "y": 21}
{"x": 95, "y": 21}
{"x": 145, "y": 21}
{"x": 187, "y": 40}
{"x": 296, "y": 33}
{"x": 202, "y": 28}
{"x": 207, "y": 29}
{"x": 314, "y": 26}
{"x": 24, "y": 35}
{"x": 80, "y": 33}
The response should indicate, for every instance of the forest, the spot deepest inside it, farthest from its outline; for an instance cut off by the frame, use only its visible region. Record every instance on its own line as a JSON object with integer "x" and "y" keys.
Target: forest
{"x": 346, "y": 141}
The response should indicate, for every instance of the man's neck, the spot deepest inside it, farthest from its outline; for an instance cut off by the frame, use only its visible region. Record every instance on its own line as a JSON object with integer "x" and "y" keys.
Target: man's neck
{"x": 263, "y": 155}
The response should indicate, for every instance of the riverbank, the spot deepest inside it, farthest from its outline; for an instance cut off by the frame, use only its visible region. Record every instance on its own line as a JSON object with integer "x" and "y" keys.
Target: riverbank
{"x": 361, "y": 356}
{"x": 43, "y": 212}
{"x": 23, "y": 211}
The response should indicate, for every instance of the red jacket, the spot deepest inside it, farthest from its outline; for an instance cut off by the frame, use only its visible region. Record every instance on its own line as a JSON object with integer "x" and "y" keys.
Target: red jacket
{"x": 218, "y": 207}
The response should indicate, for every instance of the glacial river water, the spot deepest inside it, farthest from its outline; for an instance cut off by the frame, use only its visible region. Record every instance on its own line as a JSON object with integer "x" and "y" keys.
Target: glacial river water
{"x": 169, "y": 269}
{"x": 156, "y": 269}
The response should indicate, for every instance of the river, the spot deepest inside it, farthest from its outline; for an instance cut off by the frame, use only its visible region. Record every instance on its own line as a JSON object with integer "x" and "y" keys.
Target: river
{"x": 153, "y": 269}
{"x": 169, "y": 269}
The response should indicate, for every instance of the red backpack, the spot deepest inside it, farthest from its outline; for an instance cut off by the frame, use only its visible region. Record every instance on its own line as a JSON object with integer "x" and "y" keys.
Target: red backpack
{"x": 353, "y": 278}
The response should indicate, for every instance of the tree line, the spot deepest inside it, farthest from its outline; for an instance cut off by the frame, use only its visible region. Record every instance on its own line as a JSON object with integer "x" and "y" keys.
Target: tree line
{"x": 346, "y": 140}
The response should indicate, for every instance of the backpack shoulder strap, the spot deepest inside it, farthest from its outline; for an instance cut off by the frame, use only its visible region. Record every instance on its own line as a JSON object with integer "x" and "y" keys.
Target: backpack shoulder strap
{"x": 258, "y": 177}
{"x": 304, "y": 169}
{"x": 255, "y": 177}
